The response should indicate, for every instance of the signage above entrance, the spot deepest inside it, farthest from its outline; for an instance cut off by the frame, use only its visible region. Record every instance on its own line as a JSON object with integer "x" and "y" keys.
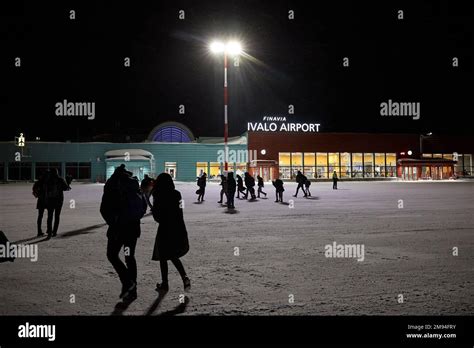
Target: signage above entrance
{"x": 269, "y": 125}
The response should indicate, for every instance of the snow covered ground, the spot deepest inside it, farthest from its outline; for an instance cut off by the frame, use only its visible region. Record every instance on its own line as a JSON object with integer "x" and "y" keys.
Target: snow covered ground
{"x": 280, "y": 269}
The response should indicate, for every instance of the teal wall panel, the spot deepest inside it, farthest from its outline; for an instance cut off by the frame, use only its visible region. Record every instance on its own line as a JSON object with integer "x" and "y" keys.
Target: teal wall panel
{"x": 184, "y": 154}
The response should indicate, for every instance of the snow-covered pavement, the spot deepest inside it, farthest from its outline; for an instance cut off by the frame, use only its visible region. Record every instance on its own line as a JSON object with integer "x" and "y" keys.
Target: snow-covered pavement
{"x": 267, "y": 258}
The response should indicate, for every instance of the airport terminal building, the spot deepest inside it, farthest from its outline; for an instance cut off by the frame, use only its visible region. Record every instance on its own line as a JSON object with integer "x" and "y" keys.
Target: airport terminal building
{"x": 171, "y": 147}
{"x": 356, "y": 156}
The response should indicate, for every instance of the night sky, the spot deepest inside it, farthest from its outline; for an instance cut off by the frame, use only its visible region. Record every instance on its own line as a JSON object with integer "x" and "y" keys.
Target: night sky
{"x": 296, "y": 62}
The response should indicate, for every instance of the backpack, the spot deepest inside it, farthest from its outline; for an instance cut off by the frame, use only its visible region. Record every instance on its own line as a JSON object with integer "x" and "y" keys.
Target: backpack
{"x": 52, "y": 190}
{"x": 132, "y": 202}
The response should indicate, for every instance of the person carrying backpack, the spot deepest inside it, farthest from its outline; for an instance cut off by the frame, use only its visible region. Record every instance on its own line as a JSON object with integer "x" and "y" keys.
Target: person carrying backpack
{"x": 240, "y": 186}
{"x": 54, "y": 198}
{"x": 300, "y": 179}
{"x": 146, "y": 186}
{"x": 231, "y": 187}
{"x": 307, "y": 184}
{"x": 249, "y": 184}
{"x": 122, "y": 207}
{"x": 223, "y": 188}
{"x": 39, "y": 193}
{"x": 260, "y": 186}
{"x": 278, "y": 183}
{"x": 201, "y": 182}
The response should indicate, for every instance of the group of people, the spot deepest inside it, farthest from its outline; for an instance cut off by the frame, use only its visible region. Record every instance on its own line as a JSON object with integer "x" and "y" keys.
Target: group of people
{"x": 49, "y": 192}
{"x": 230, "y": 186}
{"x": 124, "y": 203}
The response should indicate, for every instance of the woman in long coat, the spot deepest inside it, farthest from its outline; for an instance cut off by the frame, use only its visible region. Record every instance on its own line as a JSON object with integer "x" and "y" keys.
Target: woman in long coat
{"x": 171, "y": 241}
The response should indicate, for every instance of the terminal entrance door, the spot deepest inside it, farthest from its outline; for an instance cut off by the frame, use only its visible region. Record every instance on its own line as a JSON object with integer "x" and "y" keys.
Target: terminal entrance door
{"x": 267, "y": 169}
{"x": 170, "y": 168}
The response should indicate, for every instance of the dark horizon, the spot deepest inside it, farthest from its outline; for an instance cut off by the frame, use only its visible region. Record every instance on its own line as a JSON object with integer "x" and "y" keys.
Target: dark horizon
{"x": 296, "y": 62}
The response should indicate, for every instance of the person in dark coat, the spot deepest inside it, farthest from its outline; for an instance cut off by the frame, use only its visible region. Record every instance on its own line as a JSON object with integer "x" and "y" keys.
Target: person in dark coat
{"x": 249, "y": 184}
{"x": 146, "y": 186}
{"x": 122, "y": 207}
{"x": 223, "y": 188}
{"x": 231, "y": 188}
{"x": 68, "y": 179}
{"x": 54, "y": 199}
{"x": 240, "y": 186}
{"x": 201, "y": 182}
{"x": 260, "y": 186}
{"x": 171, "y": 241}
{"x": 278, "y": 190}
{"x": 300, "y": 179}
{"x": 307, "y": 184}
{"x": 334, "y": 180}
{"x": 40, "y": 194}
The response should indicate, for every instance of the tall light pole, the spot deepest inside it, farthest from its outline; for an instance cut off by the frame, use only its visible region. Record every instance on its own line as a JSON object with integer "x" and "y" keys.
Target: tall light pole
{"x": 231, "y": 48}
{"x": 422, "y": 136}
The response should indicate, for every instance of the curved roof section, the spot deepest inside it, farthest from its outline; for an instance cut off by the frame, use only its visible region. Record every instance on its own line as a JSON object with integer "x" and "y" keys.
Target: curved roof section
{"x": 131, "y": 152}
{"x": 171, "y": 132}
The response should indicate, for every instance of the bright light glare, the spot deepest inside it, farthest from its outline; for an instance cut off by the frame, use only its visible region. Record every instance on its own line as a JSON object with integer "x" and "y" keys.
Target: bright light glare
{"x": 234, "y": 48}
{"x": 217, "y": 47}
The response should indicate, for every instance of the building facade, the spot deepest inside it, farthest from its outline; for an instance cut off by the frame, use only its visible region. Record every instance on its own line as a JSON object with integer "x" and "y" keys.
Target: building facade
{"x": 360, "y": 155}
{"x": 171, "y": 147}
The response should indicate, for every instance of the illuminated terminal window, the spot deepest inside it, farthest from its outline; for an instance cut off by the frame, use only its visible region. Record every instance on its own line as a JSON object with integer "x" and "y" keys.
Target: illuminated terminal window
{"x": 322, "y": 165}
{"x": 368, "y": 165}
{"x": 379, "y": 169}
{"x": 296, "y": 162}
{"x": 284, "y": 162}
{"x": 357, "y": 168}
{"x": 333, "y": 159}
{"x": 391, "y": 164}
{"x": 309, "y": 165}
{"x": 214, "y": 170}
{"x": 345, "y": 165}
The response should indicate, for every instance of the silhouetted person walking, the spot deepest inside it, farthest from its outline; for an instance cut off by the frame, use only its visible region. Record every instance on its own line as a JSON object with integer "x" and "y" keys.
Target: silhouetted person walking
{"x": 146, "y": 186}
{"x": 334, "y": 180}
{"x": 231, "y": 187}
{"x": 307, "y": 184}
{"x": 39, "y": 191}
{"x": 300, "y": 179}
{"x": 171, "y": 241}
{"x": 223, "y": 188}
{"x": 260, "y": 186}
{"x": 122, "y": 207}
{"x": 68, "y": 179}
{"x": 54, "y": 199}
{"x": 201, "y": 182}
{"x": 240, "y": 186}
{"x": 278, "y": 190}
{"x": 249, "y": 184}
